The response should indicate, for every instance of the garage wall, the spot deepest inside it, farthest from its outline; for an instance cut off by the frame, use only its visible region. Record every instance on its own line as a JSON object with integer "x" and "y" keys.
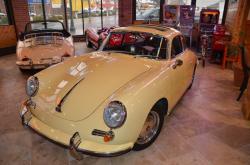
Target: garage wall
{"x": 125, "y": 12}
{"x": 18, "y": 12}
{"x": 21, "y": 14}
{"x": 231, "y": 15}
{"x": 7, "y": 36}
{"x": 247, "y": 41}
{"x": 237, "y": 18}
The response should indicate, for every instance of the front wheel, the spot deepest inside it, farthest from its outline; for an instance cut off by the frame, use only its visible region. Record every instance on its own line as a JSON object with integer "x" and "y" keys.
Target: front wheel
{"x": 151, "y": 129}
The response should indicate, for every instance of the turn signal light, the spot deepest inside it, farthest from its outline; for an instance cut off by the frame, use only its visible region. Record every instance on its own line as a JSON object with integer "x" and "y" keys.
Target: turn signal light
{"x": 107, "y": 138}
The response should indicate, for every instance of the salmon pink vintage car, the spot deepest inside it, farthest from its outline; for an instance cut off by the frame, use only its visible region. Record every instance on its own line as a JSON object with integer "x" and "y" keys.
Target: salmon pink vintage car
{"x": 43, "y": 44}
{"x": 94, "y": 38}
{"x": 108, "y": 102}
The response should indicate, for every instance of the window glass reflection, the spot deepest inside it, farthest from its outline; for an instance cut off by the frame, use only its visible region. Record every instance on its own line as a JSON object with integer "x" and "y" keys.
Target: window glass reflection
{"x": 74, "y": 15}
{"x": 179, "y": 2}
{"x": 92, "y": 13}
{"x": 80, "y": 14}
{"x": 148, "y": 10}
{"x": 110, "y": 13}
{"x": 3, "y": 14}
{"x": 36, "y": 10}
{"x": 55, "y": 10}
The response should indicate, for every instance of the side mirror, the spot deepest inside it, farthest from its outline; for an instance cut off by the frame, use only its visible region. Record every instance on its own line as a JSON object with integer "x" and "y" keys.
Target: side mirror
{"x": 177, "y": 63}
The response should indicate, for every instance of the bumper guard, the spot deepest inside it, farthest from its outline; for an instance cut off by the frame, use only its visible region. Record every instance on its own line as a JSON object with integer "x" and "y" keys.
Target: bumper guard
{"x": 74, "y": 143}
{"x": 25, "y": 113}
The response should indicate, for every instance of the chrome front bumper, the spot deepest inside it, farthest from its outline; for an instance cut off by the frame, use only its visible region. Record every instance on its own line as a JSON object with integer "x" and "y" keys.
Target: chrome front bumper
{"x": 39, "y": 65}
{"x": 74, "y": 143}
{"x": 28, "y": 65}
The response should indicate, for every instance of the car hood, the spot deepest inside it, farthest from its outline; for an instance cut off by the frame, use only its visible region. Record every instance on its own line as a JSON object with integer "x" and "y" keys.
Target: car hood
{"x": 81, "y": 84}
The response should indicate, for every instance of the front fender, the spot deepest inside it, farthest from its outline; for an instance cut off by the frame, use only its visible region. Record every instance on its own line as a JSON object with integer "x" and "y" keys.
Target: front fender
{"x": 139, "y": 96}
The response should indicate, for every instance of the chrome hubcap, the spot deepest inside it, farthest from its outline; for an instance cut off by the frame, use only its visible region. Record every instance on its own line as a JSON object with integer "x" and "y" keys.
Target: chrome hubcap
{"x": 150, "y": 128}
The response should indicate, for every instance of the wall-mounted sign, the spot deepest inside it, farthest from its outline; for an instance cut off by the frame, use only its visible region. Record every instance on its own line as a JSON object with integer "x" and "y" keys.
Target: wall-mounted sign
{"x": 187, "y": 13}
{"x": 171, "y": 15}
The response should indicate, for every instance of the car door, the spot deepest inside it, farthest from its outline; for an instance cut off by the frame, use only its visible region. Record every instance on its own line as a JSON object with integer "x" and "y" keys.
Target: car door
{"x": 188, "y": 63}
{"x": 178, "y": 65}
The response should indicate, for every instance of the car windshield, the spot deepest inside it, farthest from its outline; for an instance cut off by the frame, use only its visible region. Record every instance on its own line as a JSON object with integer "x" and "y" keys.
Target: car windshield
{"x": 136, "y": 44}
{"x": 38, "y": 26}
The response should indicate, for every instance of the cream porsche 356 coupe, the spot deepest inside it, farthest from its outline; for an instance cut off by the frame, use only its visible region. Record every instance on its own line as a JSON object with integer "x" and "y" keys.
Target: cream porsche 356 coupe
{"x": 43, "y": 44}
{"x": 108, "y": 102}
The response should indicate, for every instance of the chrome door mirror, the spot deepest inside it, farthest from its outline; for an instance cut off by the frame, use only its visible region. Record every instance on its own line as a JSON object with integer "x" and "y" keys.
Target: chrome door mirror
{"x": 178, "y": 62}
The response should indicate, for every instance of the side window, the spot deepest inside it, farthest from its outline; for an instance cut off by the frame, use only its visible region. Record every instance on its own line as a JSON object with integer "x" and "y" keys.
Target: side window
{"x": 163, "y": 50}
{"x": 176, "y": 47}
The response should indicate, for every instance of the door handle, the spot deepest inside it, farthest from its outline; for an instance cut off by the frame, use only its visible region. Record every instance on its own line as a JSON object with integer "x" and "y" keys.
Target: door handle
{"x": 178, "y": 62}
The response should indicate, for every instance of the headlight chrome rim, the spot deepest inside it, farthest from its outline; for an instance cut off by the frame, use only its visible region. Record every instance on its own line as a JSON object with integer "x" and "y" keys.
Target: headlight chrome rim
{"x": 124, "y": 116}
{"x": 35, "y": 82}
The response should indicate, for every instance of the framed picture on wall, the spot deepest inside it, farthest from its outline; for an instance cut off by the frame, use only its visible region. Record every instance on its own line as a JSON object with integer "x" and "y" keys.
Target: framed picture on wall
{"x": 187, "y": 13}
{"x": 171, "y": 15}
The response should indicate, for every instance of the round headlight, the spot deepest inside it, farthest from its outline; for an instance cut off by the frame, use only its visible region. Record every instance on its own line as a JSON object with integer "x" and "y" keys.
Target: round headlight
{"x": 32, "y": 86}
{"x": 114, "y": 114}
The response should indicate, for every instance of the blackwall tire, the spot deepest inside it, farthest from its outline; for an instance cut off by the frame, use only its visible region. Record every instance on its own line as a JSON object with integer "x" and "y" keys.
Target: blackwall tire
{"x": 142, "y": 144}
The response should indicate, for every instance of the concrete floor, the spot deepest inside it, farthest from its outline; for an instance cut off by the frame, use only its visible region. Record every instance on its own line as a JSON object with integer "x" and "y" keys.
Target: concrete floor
{"x": 206, "y": 127}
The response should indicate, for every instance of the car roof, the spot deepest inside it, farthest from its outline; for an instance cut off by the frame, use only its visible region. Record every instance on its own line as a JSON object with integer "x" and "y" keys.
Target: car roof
{"x": 161, "y": 30}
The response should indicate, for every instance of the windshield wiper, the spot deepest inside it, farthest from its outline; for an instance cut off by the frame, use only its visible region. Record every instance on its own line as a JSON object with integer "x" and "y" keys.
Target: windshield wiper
{"x": 118, "y": 51}
{"x": 131, "y": 53}
{"x": 149, "y": 56}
